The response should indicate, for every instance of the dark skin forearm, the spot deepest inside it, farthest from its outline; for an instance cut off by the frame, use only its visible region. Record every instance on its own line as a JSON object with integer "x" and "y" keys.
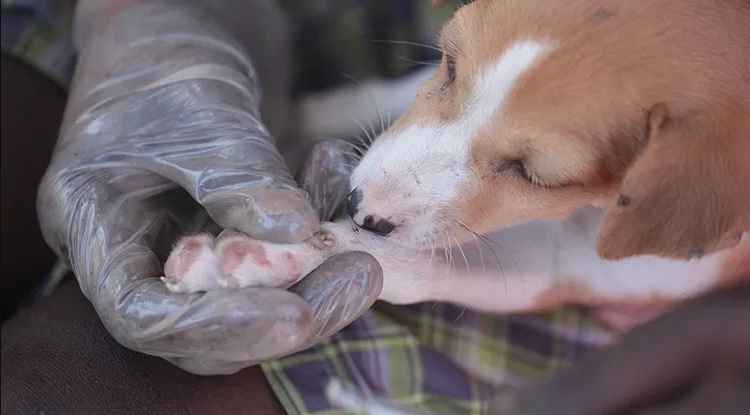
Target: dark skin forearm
{"x": 693, "y": 360}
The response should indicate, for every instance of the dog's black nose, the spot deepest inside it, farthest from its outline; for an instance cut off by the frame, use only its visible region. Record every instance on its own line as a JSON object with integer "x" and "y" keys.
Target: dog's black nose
{"x": 375, "y": 225}
{"x": 352, "y": 202}
{"x": 381, "y": 227}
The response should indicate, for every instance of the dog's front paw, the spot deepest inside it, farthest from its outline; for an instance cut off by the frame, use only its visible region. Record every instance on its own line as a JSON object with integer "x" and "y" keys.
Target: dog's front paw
{"x": 192, "y": 265}
{"x": 234, "y": 260}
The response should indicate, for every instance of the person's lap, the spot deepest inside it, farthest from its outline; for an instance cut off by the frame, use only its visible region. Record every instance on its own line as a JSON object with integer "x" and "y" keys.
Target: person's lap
{"x": 58, "y": 358}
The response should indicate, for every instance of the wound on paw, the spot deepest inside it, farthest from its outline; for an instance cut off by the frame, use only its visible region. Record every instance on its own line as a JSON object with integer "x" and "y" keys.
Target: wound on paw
{"x": 323, "y": 240}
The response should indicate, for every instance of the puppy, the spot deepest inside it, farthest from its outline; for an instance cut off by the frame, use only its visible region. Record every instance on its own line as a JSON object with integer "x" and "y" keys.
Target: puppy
{"x": 587, "y": 152}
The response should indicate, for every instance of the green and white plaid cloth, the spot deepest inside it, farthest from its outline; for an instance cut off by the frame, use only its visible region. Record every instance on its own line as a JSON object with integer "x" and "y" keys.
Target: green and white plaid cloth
{"x": 429, "y": 359}
{"x": 426, "y": 358}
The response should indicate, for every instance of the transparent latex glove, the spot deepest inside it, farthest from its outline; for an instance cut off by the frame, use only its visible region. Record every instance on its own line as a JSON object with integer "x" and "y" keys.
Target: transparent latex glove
{"x": 161, "y": 125}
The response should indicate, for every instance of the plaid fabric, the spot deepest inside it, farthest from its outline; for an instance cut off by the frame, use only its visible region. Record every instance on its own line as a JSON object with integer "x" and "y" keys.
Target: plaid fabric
{"x": 427, "y": 358}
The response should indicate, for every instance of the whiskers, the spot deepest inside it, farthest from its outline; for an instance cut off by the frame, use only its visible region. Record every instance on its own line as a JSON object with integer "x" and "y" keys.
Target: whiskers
{"x": 451, "y": 244}
{"x": 357, "y": 149}
{"x": 418, "y": 62}
{"x": 454, "y": 254}
{"x": 434, "y": 48}
{"x": 483, "y": 241}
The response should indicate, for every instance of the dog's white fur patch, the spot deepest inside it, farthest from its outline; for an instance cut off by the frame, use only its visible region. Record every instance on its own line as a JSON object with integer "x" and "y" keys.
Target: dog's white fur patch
{"x": 424, "y": 165}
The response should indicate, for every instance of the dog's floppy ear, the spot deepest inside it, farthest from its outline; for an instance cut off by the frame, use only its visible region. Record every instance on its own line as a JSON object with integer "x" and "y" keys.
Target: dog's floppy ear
{"x": 687, "y": 194}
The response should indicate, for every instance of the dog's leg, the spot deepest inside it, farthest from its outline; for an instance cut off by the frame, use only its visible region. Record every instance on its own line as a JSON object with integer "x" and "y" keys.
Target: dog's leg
{"x": 532, "y": 267}
{"x": 546, "y": 264}
{"x": 200, "y": 263}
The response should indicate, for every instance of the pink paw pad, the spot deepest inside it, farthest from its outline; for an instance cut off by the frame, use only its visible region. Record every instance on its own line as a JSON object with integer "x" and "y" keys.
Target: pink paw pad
{"x": 192, "y": 265}
{"x": 234, "y": 260}
{"x": 244, "y": 262}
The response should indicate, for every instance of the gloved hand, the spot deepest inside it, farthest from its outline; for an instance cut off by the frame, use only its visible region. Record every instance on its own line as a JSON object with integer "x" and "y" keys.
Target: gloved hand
{"x": 163, "y": 122}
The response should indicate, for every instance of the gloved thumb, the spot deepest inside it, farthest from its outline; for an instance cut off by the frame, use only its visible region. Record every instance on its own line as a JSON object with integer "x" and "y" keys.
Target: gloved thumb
{"x": 325, "y": 175}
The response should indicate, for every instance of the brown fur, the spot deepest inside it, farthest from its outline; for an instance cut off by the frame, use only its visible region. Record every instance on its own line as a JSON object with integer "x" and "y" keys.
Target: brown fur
{"x": 643, "y": 106}
{"x": 688, "y": 194}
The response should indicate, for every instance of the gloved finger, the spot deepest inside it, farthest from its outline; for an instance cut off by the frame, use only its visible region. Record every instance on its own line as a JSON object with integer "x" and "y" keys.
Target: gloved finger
{"x": 166, "y": 89}
{"x": 230, "y": 165}
{"x": 223, "y": 157}
{"x": 325, "y": 175}
{"x": 117, "y": 220}
{"x": 340, "y": 290}
{"x": 246, "y": 326}
{"x": 237, "y": 325}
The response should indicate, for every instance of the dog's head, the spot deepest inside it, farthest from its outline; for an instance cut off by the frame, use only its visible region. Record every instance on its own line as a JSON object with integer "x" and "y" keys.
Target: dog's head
{"x": 539, "y": 109}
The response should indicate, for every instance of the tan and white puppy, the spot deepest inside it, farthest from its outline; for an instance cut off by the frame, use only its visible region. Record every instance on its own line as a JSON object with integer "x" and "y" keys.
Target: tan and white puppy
{"x": 587, "y": 151}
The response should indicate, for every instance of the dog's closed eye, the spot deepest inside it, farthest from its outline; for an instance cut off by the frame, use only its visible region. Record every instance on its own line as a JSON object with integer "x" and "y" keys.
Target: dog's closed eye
{"x": 519, "y": 168}
{"x": 450, "y": 72}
